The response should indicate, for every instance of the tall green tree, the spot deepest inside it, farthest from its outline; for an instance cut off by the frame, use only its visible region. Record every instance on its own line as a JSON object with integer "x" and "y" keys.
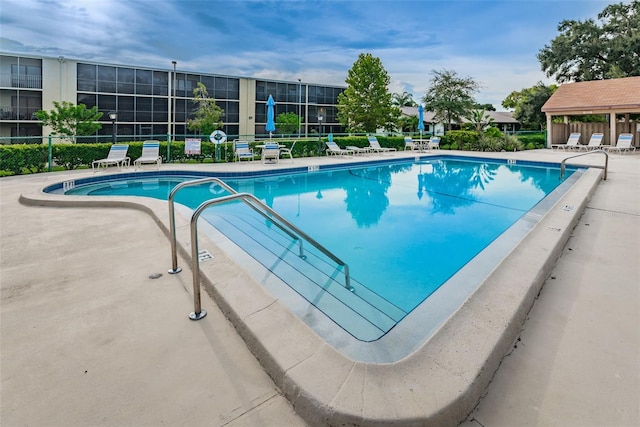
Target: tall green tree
{"x": 71, "y": 120}
{"x": 486, "y": 107}
{"x": 589, "y": 50}
{"x": 449, "y": 96}
{"x": 366, "y": 104}
{"x": 288, "y": 123}
{"x": 207, "y": 113}
{"x": 527, "y": 105}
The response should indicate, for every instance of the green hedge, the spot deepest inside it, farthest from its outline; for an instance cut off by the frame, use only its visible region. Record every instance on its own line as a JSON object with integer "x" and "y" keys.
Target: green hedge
{"x": 23, "y": 158}
{"x": 33, "y": 158}
{"x": 459, "y": 139}
{"x": 539, "y": 140}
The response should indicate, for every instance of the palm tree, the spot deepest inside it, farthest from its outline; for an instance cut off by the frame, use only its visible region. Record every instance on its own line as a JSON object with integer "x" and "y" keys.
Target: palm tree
{"x": 479, "y": 119}
{"x": 404, "y": 100}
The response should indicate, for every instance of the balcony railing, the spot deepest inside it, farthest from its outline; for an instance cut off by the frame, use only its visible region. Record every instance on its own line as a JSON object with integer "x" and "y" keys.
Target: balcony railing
{"x": 25, "y": 81}
{"x": 18, "y": 113}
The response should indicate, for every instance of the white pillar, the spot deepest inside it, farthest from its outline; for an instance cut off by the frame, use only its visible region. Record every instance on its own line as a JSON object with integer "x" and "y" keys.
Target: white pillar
{"x": 612, "y": 129}
{"x": 549, "y": 131}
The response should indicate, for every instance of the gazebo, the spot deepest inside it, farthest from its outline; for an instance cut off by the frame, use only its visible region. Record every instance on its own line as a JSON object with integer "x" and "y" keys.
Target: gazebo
{"x": 617, "y": 99}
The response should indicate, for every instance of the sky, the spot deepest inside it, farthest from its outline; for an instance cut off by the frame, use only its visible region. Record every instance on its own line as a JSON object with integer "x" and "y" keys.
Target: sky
{"x": 493, "y": 42}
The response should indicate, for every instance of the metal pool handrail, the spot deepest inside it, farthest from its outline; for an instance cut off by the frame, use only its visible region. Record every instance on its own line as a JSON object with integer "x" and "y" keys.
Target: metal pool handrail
{"x": 172, "y": 218}
{"x": 605, "y": 167}
{"x": 195, "y": 264}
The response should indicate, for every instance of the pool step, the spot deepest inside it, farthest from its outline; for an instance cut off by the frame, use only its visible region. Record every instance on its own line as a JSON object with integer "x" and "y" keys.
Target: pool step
{"x": 362, "y": 313}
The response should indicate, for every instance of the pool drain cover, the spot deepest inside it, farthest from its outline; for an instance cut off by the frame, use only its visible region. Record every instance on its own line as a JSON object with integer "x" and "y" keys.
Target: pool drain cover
{"x": 204, "y": 255}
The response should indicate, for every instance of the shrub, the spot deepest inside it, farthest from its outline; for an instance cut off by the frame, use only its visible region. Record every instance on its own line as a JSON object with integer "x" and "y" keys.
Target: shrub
{"x": 511, "y": 143}
{"x": 72, "y": 156}
{"x": 538, "y": 139}
{"x": 23, "y": 158}
{"x": 460, "y": 137}
{"x": 493, "y": 132}
{"x": 486, "y": 143}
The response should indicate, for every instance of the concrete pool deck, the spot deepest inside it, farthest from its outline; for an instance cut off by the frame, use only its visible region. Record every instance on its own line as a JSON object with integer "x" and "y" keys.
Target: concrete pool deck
{"x": 89, "y": 338}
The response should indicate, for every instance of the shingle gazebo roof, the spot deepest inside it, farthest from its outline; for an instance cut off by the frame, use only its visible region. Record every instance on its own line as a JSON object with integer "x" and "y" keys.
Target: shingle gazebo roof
{"x": 596, "y": 96}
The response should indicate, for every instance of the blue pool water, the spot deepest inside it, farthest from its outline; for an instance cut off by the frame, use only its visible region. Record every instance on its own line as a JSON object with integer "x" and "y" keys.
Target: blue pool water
{"x": 403, "y": 228}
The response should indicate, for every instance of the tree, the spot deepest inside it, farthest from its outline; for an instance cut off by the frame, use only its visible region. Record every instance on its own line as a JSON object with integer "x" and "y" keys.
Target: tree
{"x": 591, "y": 51}
{"x": 207, "y": 113}
{"x": 366, "y": 104}
{"x": 527, "y": 105}
{"x": 408, "y": 123}
{"x": 479, "y": 119}
{"x": 450, "y": 97}
{"x": 71, "y": 120}
{"x": 288, "y": 123}
{"x": 405, "y": 99}
{"x": 486, "y": 107}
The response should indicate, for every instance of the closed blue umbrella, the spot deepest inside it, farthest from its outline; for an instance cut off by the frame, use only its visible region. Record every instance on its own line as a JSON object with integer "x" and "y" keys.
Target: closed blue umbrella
{"x": 271, "y": 124}
{"x": 420, "y": 120}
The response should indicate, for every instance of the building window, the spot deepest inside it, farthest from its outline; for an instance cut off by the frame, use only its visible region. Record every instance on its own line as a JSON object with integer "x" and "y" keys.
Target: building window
{"x": 107, "y": 79}
{"x": 126, "y": 80}
{"x": 144, "y": 82}
{"x": 87, "y": 78}
{"x": 161, "y": 83}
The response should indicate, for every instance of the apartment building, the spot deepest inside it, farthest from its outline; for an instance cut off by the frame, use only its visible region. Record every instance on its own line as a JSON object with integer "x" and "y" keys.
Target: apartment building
{"x": 151, "y": 102}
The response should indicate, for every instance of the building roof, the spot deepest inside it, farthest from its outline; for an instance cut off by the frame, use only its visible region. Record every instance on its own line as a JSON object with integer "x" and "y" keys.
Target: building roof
{"x": 429, "y": 116}
{"x": 595, "y": 96}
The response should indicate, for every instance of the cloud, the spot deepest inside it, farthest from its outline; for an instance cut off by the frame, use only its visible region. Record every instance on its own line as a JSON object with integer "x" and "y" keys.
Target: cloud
{"x": 494, "y": 42}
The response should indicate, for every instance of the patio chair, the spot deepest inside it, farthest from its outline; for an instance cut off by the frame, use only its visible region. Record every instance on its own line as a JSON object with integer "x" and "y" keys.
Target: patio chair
{"x": 241, "y": 150}
{"x": 623, "y": 144}
{"x": 270, "y": 152}
{"x": 572, "y": 142}
{"x": 595, "y": 142}
{"x": 434, "y": 142}
{"x": 409, "y": 144}
{"x": 334, "y": 149}
{"x": 286, "y": 151}
{"x": 117, "y": 156}
{"x": 150, "y": 154}
{"x": 375, "y": 145}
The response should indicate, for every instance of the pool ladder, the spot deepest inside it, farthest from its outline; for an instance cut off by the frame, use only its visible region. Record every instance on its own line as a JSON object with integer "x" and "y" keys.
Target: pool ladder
{"x": 253, "y": 202}
{"x": 605, "y": 167}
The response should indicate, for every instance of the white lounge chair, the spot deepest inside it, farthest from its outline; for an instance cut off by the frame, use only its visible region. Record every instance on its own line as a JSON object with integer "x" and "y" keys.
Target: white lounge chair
{"x": 241, "y": 150}
{"x": 623, "y": 144}
{"x": 572, "y": 142}
{"x": 409, "y": 144}
{"x": 375, "y": 145}
{"x": 286, "y": 151}
{"x": 334, "y": 149}
{"x": 358, "y": 150}
{"x": 117, "y": 156}
{"x": 150, "y": 154}
{"x": 270, "y": 152}
{"x": 595, "y": 142}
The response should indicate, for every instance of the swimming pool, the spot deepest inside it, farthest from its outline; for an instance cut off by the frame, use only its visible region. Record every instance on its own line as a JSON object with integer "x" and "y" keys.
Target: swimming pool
{"x": 405, "y": 228}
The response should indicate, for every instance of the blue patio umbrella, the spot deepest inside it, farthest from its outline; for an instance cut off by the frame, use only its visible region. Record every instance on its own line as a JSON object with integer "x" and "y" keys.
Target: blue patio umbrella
{"x": 420, "y": 119}
{"x": 271, "y": 124}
